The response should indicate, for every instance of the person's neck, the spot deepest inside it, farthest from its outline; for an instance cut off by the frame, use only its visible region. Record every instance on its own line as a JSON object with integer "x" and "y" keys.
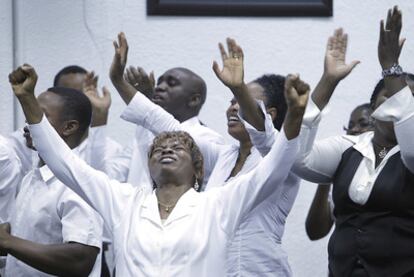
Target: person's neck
{"x": 245, "y": 148}
{"x": 85, "y": 135}
{"x": 184, "y": 117}
{"x": 384, "y": 141}
{"x": 170, "y": 193}
{"x": 74, "y": 142}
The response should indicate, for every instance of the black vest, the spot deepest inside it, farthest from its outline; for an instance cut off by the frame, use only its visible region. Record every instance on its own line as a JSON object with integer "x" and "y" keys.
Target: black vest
{"x": 380, "y": 234}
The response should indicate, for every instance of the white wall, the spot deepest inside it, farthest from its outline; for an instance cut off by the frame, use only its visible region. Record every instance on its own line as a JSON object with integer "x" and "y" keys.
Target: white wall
{"x": 6, "y": 65}
{"x": 53, "y": 34}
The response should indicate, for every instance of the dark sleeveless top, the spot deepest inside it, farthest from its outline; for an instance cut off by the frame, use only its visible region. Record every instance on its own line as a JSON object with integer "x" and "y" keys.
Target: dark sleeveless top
{"x": 379, "y": 234}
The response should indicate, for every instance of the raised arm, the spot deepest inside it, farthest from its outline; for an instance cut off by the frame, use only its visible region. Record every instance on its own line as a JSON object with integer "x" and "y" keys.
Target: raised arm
{"x": 232, "y": 76}
{"x": 106, "y": 196}
{"x": 389, "y": 49}
{"x": 335, "y": 68}
{"x": 399, "y": 106}
{"x": 116, "y": 73}
{"x": 100, "y": 104}
{"x": 140, "y": 80}
{"x": 317, "y": 162}
{"x": 244, "y": 193}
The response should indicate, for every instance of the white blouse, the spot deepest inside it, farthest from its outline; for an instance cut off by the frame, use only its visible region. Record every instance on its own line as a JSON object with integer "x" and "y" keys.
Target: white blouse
{"x": 193, "y": 239}
{"x": 255, "y": 248}
{"x": 318, "y": 161}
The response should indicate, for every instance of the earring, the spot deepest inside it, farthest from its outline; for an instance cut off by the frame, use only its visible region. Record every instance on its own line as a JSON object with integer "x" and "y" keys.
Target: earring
{"x": 196, "y": 185}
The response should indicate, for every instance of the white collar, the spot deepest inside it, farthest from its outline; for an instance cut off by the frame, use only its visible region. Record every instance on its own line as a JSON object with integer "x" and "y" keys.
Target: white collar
{"x": 183, "y": 208}
{"x": 191, "y": 121}
{"x": 363, "y": 144}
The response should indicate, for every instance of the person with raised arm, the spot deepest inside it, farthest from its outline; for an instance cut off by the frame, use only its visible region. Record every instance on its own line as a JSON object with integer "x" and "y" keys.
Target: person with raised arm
{"x": 180, "y": 92}
{"x": 249, "y": 255}
{"x": 51, "y": 230}
{"x": 256, "y": 249}
{"x": 372, "y": 174}
{"x": 172, "y": 230}
{"x": 320, "y": 218}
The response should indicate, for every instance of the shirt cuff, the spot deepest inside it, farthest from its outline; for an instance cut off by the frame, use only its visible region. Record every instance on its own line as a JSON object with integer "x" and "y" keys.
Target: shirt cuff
{"x": 398, "y": 107}
{"x": 137, "y": 109}
{"x": 98, "y": 135}
{"x": 267, "y": 118}
{"x": 36, "y": 129}
{"x": 312, "y": 115}
{"x": 262, "y": 140}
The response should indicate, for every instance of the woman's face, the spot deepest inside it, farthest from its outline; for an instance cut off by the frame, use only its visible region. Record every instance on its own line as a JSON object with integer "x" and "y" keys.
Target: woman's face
{"x": 234, "y": 126}
{"x": 170, "y": 161}
{"x": 360, "y": 121}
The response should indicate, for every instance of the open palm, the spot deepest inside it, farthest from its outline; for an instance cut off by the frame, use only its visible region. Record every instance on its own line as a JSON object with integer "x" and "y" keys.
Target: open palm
{"x": 335, "y": 66}
{"x": 232, "y": 74}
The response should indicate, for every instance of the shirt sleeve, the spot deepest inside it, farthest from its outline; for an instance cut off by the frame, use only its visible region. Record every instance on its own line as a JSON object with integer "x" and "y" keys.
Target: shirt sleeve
{"x": 10, "y": 178}
{"x": 80, "y": 223}
{"x": 24, "y": 153}
{"x": 107, "y": 155}
{"x": 262, "y": 140}
{"x": 107, "y": 196}
{"x": 141, "y": 111}
{"x": 243, "y": 194}
{"x": 400, "y": 109}
{"x": 317, "y": 162}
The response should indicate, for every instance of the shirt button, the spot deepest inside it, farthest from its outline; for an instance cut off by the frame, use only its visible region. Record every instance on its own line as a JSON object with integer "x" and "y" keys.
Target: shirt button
{"x": 359, "y": 262}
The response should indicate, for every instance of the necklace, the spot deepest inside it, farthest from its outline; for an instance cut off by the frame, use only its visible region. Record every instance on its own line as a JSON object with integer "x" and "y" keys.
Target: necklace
{"x": 383, "y": 150}
{"x": 167, "y": 207}
{"x": 383, "y": 153}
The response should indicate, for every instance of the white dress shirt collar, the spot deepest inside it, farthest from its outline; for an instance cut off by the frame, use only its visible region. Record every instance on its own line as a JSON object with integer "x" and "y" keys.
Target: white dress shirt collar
{"x": 183, "y": 207}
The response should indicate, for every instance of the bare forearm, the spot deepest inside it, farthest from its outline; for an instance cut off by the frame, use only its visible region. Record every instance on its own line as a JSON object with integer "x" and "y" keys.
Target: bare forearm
{"x": 319, "y": 221}
{"x": 31, "y": 108}
{"x": 323, "y": 91}
{"x": 125, "y": 90}
{"x": 67, "y": 259}
{"x": 250, "y": 110}
{"x": 293, "y": 122}
{"x": 394, "y": 84}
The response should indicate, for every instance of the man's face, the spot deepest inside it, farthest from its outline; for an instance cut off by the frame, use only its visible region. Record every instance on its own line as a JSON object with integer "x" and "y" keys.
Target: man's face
{"x": 72, "y": 80}
{"x": 51, "y": 105}
{"x": 173, "y": 90}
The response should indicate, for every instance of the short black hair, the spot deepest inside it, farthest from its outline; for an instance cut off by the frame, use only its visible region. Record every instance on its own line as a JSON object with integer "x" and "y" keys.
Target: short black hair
{"x": 76, "y": 106}
{"x": 274, "y": 90}
{"x": 68, "y": 70}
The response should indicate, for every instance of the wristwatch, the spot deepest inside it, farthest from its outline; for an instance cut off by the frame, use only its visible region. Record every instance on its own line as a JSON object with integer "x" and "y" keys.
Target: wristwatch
{"x": 394, "y": 70}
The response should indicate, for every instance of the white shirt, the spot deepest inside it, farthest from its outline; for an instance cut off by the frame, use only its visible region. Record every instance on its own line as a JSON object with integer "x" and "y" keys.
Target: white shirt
{"x": 193, "y": 239}
{"x": 256, "y": 247}
{"x": 131, "y": 164}
{"x": 318, "y": 161}
{"x": 29, "y": 158}
{"x": 10, "y": 177}
{"x": 48, "y": 212}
